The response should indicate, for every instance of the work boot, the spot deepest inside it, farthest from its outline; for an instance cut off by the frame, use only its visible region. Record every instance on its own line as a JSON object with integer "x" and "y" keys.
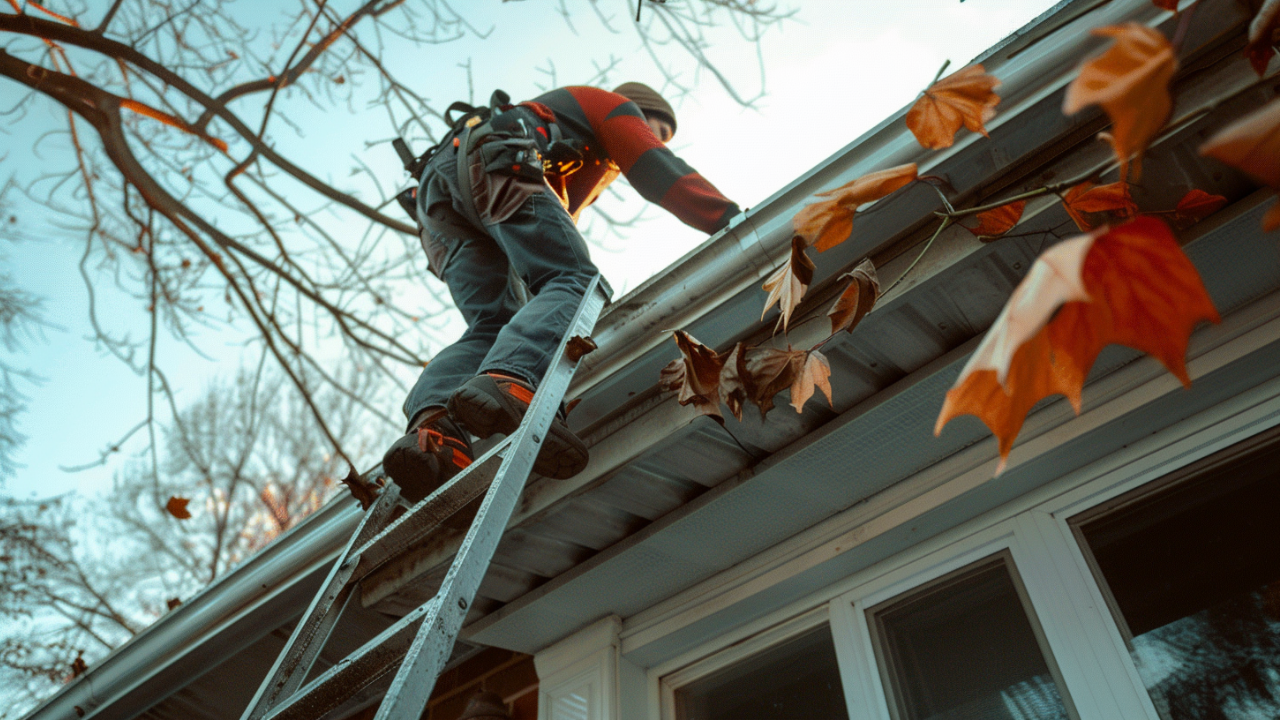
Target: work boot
{"x": 496, "y": 403}
{"x": 428, "y": 456}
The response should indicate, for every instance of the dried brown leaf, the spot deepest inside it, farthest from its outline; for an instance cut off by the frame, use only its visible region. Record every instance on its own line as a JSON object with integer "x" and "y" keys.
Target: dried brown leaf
{"x": 578, "y": 346}
{"x": 735, "y": 381}
{"x": 858, "y": 298}
{"x": 771, "y": 371}
{"x": 787, "y": 286}
{"x": 816, "y": 372}
{"x": 695, "y": 375}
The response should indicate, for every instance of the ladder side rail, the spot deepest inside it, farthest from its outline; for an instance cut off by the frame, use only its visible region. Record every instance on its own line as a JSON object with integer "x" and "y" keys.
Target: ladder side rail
{"x": 359, "y": 670}
{"x": 430, "y": 512}
{"x": 425, "y": 660}
{"x": 312, "y": 631}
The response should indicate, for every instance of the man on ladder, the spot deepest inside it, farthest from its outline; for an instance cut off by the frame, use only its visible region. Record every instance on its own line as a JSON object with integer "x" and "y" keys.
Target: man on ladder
{"x": 502, "y": 192}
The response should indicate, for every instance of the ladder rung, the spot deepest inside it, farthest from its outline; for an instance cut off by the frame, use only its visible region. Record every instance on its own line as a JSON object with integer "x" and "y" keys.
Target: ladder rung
{"x": 374, "y": 660}
{"x": 430, "y": 512}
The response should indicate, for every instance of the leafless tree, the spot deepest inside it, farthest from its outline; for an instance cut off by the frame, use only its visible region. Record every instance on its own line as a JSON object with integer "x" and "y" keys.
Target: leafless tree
{"x": 181, "y": 170}
{"x": 79, "y": 576}
{"x": 19, "y": 320}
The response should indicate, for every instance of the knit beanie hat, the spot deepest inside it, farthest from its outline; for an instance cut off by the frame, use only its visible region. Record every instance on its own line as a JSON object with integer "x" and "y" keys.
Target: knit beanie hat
{"x": 649, "y": 101}
{"x": 485, "y": 706}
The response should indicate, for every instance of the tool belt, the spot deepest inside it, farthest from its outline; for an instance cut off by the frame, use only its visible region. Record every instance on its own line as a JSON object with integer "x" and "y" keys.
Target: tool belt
{"x": 501, "y": 160}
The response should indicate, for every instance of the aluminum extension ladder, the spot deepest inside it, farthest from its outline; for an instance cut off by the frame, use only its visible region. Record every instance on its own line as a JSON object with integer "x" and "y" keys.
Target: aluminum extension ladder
{"x": 420, "y": 643}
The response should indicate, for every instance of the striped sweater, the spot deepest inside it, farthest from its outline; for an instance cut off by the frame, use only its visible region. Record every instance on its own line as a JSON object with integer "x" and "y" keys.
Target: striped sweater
{"x": 615, "y": 138}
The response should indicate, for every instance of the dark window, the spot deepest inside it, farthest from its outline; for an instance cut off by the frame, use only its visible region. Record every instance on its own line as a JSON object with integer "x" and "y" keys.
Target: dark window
{"x": 795, "y": 680}
{"x": 965, "y": 648}
{"x": 1193, "y": 577}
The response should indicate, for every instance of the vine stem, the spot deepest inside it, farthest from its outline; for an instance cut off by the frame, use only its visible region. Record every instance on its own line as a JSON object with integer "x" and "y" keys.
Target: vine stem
{"x": 946, "y": 222}
{"x": 941, "y": 70}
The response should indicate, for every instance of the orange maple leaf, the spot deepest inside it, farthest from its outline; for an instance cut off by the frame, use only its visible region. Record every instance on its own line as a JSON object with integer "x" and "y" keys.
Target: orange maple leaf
{"x": 966, "y": 97}
{"x": 177, "y": 507}
{"x": 1131, "y": 83}
{"x": 858, "y": 298}
{"x": 1252, "y": 144}
{"x": 1197, "y": 205}
{"x": 787, "y": 285}
{"x": 695, "y": 375}
{"x": 1262, "y": 36}
{"x": 997, "y": 221}
{"x": 828, "y": 223}
{"x": 1131, "y": 285}
{"x": 1087, "y": 198}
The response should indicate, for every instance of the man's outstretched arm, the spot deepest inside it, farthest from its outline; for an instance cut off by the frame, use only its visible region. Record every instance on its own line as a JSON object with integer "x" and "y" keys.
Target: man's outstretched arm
{"x": 654, "y": 171}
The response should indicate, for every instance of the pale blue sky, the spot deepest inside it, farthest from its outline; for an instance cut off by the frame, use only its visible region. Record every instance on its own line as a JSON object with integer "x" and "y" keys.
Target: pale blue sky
{"x": 836, "y": 70}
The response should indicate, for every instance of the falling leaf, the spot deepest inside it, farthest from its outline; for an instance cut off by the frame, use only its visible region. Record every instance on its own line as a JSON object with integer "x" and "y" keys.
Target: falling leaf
{"x": 858, "y": 298}
{"x": 966, "y": 97}
{"x": 1197, "y": 205}
{"x": 365, "y": 492}
{"x": 997, "y": 221}
{"x": 1252, "y": 144}
{"x": 771, "y": 371}
{"x": 787, "y": 285}
{"x": 828, "y": 223}
{"x": 578, "y": 346}
{"x": 695, "y": 375}
{"x": 177, "y": 507}
{"x": 1262, "y": 36}
{"x": 173, "y": 602}
{"x": 815, "y": 372}
{"x": 735, "y": 381}
{"x": 1131, "y": 83}
{"x": 1130, "y": 285}
{"x": 1086, "y": 198}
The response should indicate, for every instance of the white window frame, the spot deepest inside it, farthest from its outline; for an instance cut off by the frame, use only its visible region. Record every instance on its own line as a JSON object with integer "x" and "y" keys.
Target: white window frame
{"x": 1086, "y": 647}
{"x": 578, "y": 677}
{"x": 758, "y": 643}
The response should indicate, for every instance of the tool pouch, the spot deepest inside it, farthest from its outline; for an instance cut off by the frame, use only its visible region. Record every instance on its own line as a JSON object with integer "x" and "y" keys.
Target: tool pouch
{"x": 514, "y": 156}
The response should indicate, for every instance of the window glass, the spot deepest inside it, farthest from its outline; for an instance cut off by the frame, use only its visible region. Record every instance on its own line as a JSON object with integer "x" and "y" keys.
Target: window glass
{"x": 964, "y": 647}
{"x": 795, "y": 679}
{"x": 1193, "y": 574}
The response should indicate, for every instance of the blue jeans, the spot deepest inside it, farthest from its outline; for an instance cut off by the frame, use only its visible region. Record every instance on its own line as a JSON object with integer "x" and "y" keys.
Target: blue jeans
{"x": 539, "y": 241}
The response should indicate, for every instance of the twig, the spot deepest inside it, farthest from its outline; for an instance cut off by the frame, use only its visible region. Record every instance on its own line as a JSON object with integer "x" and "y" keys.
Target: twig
{"x": 946, "y": 221}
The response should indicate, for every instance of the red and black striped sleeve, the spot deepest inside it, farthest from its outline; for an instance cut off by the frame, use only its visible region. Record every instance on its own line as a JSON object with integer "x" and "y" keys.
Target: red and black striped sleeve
{"x": 655, "y": 172}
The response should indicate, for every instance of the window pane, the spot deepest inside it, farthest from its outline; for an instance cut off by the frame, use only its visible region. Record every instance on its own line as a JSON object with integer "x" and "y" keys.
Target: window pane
{"x": 796, "y": 679}
{"x": 1194, "y": 577}
{"x": 965, "y": 648}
